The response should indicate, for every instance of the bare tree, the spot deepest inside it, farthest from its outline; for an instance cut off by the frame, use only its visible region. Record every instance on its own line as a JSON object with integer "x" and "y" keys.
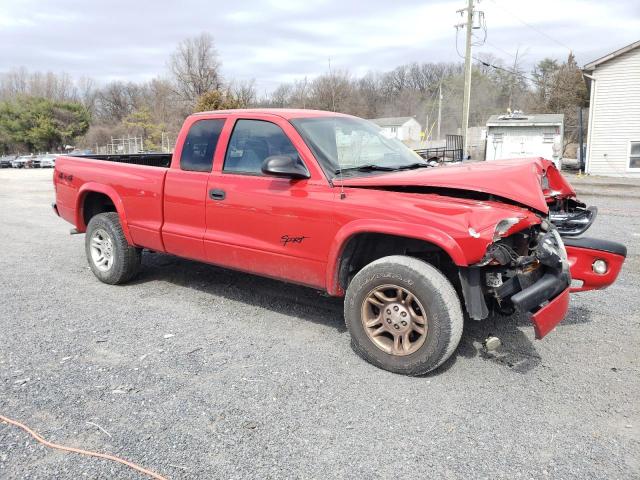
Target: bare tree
{"x": 331, "y": 91}
{"x": 14, "y": 83}
{"x": 281, "y": 96}
{"x": 88, "y": 94}
{"x": 57, "y": 87}
{"x": 370, "y": 96}
{"x": 195, "y": 67}
{"x": 244, "y": 92}
{"x": 117, "y": 100}
{"x": 300, "y": 93}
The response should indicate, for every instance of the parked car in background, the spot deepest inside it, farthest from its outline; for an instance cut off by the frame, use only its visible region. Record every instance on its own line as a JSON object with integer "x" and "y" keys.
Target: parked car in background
{"x": 45, "y": 161}
{"x": 5, "y": 162}
{"x": 22, "y": 161}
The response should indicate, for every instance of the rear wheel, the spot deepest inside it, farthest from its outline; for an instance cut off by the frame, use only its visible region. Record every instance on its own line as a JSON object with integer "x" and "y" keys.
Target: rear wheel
{"x": 110, "y": 256}
{"x": 403, "y": 315}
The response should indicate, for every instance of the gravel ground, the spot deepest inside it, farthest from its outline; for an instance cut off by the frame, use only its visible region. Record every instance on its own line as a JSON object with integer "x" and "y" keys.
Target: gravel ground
{"x": 199, "y": 372}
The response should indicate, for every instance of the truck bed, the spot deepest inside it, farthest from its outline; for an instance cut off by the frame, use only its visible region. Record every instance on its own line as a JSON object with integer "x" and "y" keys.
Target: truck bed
{"x": 136, "y": 182}
{"x": 148, "y": 159}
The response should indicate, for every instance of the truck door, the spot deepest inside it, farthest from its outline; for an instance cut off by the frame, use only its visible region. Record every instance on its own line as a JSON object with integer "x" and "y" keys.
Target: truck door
{"x": 259, "y": 223}
{"x": 185, "y": 190}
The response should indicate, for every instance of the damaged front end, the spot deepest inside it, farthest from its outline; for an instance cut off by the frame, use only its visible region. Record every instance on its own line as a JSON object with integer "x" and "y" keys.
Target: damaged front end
{"x": 527, "y": 271}
{"x": 571, "y": 217}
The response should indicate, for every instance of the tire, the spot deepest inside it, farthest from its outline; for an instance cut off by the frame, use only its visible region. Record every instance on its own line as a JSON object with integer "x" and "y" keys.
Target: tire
{"x": 434, "y": 302}
{"x": 110, "y": 256}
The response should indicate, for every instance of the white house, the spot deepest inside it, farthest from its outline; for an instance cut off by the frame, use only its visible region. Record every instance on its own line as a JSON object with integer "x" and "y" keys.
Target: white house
{"x": 405, "y": 129}
{"x": 521, "y": 136}
{"x": 613, "y": 141}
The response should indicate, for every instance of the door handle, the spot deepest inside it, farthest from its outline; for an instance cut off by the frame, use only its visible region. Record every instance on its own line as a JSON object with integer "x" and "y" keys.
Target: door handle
{"x": 216, "y": 194}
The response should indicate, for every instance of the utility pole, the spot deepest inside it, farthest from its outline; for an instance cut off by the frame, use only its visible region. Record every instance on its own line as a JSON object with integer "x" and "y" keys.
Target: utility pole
{"x": 467, "y": 72}
{"x": 427, "y": 130}
{"x": 439, "y": 108}
{"x": 513, "y": 81}
{"x": 581, "y": 140}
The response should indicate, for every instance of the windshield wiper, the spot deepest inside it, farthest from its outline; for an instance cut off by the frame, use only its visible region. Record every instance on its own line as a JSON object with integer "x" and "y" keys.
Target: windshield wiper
{"x": 365, "y": 168}
{"x": 370, "y": 167}
{"x": 412, "y": 166}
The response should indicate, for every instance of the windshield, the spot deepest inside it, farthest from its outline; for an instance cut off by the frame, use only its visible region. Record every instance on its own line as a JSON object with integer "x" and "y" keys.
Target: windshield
{"x": 352, "y": 146}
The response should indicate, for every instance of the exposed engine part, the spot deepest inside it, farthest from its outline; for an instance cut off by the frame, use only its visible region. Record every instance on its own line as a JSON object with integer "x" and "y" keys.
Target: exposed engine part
{"x": 547, "y": 252}
{"x": 494, "y": 279}
{"x": 518, "y": 272}
{"x": 544, "y": 226}
{"x": 550, "y": 250}
{"x": 499, "y": 254}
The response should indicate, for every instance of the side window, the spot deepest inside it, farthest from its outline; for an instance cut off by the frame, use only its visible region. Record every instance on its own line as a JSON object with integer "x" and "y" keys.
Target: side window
{"x": 634, "y": 155}
{"x": 251, "y": 142}
{"x": 200, "y": 145}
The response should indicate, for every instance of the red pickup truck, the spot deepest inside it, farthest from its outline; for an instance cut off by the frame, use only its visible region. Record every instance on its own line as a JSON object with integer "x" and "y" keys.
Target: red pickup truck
{"x": 326, "y": 200}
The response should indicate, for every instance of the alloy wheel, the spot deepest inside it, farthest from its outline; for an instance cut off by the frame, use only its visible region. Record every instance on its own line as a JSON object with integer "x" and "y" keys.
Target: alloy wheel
{"x": 394, "y": 320}
{"x": 101, "y": 250}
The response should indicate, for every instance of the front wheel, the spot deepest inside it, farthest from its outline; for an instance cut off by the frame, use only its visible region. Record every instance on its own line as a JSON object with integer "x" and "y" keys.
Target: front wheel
{"x": 110, "y": 256}
{"x": 403, "y": 314}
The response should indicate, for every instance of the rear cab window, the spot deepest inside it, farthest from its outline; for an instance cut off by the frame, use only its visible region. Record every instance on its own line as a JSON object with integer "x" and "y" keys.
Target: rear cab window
{"x": 200, "y": 145}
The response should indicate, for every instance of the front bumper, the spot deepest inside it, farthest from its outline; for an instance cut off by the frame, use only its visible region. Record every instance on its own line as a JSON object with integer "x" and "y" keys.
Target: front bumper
{"x": 582, "y": 254}
{"x": 546, "y": 288}
{"x": 552, "y": 289}
{"x": 546, "y": 301}
{"x": 546, "y": 319}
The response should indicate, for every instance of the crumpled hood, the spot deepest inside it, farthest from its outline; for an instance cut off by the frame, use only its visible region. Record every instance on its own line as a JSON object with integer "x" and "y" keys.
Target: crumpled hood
{"x": 519, "y": 180}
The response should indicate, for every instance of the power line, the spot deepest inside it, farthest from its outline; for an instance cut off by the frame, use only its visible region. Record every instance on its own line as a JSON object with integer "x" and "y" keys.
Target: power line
{"x": 497, "y": 67}
{"x": 512, "y": 72}
{"x": 531, "y": 26}
{"x": 522, "y": 75}
{"x": 499, "y": 48}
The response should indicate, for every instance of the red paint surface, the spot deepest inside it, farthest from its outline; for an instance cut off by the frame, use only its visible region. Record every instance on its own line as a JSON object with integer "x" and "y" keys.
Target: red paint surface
{"x": 546, "y": 319}
{"x": 581, "y": 261}
{"x": 519, "y": 180}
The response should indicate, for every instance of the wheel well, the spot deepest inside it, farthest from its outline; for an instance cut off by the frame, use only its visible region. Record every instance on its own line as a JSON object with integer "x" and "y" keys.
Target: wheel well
{"x": 364, "y": 248}
{"x": 95, "y": 203}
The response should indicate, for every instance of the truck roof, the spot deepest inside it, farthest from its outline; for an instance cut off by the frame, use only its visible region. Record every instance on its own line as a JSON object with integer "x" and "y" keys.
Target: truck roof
{"x": 287, "y": 113}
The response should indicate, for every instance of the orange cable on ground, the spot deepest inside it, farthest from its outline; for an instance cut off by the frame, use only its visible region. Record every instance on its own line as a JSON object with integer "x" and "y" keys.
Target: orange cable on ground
{"x": 80, "y": 451}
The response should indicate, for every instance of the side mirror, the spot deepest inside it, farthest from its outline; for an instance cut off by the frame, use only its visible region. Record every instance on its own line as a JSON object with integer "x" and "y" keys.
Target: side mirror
{"x": 285, "y": 166}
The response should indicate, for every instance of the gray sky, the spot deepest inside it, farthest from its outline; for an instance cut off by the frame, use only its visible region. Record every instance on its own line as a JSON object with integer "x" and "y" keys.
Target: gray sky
{"x": 279, "y": 40}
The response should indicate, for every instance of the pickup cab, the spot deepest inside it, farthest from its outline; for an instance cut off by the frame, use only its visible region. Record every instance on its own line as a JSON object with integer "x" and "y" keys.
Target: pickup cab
{"x": 326, "y": 200}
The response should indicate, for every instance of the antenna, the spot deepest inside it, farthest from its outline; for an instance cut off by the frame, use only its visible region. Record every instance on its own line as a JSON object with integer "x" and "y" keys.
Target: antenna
{"x": 342, "y": 194}
{"x": 340, "y": 177}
